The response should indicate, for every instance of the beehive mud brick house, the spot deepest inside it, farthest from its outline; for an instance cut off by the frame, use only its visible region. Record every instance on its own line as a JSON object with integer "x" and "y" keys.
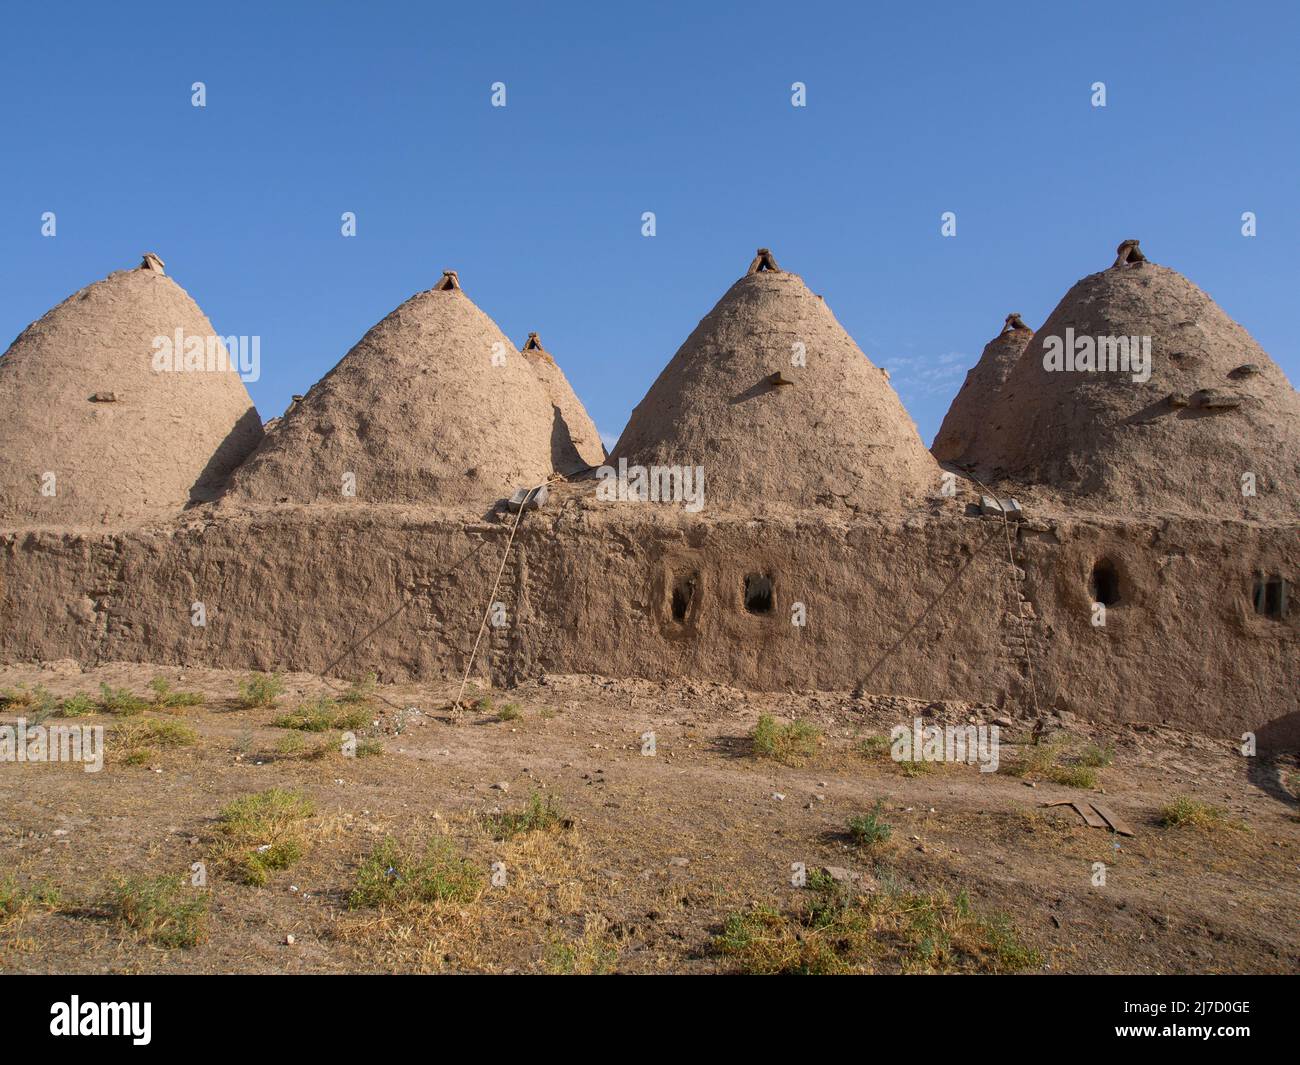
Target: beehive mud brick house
{"x": 367, "y": 528}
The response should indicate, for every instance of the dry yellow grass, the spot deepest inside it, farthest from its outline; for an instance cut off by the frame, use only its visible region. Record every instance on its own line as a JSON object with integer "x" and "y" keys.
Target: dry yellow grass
{"x": 537, "y": 879}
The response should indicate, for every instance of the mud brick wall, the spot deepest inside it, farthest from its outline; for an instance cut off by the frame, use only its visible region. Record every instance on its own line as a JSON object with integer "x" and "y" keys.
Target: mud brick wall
{"x": 928, "y": 605}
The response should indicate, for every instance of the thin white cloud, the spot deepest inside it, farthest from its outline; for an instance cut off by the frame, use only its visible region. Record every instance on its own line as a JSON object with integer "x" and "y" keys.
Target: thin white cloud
{"x": 921, "y": 377}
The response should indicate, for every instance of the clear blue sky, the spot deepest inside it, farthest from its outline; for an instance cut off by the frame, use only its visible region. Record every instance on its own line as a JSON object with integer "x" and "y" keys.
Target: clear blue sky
{"x": 683, "y": 109}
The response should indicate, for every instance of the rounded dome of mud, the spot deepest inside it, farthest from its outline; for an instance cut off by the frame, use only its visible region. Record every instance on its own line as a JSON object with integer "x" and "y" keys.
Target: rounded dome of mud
{"x": 99, "y": 424}
{"x": 432, "y": 406}
{"x": 1209, "y": 421}
{"x": 780, "y": 407}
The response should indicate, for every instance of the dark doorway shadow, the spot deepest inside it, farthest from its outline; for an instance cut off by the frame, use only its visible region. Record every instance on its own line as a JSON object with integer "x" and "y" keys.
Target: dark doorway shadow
{"x": 1277, "y": 743}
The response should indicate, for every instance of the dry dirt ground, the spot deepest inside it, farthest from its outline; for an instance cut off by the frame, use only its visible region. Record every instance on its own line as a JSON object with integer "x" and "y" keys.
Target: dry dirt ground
{"x": 649, "y": 855}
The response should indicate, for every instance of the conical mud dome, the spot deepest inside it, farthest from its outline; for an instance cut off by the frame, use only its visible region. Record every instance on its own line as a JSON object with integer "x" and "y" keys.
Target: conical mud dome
{"x": 575, "y": 442}
{"x": 433, "y": 406}
{"x": 774, "y": 399}
{"x": 1214, "y": 430}
{"x": 967, "y": 427}
{"x": 98, "y": 421}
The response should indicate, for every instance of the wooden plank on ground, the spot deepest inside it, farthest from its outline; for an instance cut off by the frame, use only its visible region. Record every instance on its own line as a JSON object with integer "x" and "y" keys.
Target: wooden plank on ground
{"x": 1114, "y": 820}
{"x": 1090, "y": 817}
